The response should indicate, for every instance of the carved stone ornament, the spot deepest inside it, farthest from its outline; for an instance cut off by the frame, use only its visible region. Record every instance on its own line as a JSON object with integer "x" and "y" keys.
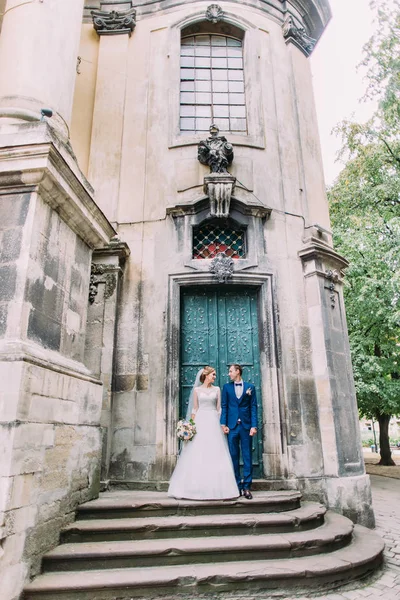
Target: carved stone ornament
{"x": 298, "y": 36}
{"x": 219, "y": 187}
{"x": 214, "y": 13}
{"x": 101, "y": 274}
{"x": 222, "y": 267}
{"x": 217, "y": 153}
{"x": 114, "y": 22}
{"x": 333, "y": 276}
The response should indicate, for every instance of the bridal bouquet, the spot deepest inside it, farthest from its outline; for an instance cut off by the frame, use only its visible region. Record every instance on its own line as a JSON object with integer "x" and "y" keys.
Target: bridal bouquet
{"x": 186, "y": 430}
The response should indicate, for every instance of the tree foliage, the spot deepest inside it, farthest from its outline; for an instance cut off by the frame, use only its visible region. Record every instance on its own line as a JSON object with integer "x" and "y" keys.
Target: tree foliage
{"x": 365, "y": 212}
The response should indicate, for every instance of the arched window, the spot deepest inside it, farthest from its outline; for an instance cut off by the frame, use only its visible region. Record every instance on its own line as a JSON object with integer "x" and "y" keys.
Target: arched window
{"x": 212, "y": 83}
{"x": 210, "y": 238}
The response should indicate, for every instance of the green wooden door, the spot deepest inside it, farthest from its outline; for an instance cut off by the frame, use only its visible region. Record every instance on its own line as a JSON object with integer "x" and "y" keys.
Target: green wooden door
{"x": 220, "y": 327}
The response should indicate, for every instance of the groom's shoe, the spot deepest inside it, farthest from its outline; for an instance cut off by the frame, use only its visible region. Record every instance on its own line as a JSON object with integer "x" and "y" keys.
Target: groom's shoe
{"x": 247, "y": 494}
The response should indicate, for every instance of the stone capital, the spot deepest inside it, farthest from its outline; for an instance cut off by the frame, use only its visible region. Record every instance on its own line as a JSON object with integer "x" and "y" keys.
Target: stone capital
{"x": 114, "y": 22}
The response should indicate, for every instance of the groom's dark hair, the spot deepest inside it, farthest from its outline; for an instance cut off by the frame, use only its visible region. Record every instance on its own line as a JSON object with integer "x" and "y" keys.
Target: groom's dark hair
{"x": 238, "y": 368}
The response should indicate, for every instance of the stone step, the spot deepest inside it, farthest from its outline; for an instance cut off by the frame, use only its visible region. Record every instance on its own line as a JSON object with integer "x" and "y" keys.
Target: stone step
{"x": 304, "y": 573}
{"x": 308, "y": 516}
{"x": 112, "y": 505}
{"x": 334, "y": 534}
{"x": 162, "y": 486}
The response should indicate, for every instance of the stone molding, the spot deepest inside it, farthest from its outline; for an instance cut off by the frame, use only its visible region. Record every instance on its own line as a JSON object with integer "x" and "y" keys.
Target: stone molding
{"x": 324, "y": 258}
{"x": 298, "y": 36}
{"x": 253, "y": 210}
{"x": 114, "y": 22}
{"x": 40, "y": 164}
{"x": 32, "y": 353}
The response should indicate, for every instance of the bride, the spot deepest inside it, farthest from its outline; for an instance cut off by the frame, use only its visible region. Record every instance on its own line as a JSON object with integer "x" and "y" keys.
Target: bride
{"x": 204, "y": 470}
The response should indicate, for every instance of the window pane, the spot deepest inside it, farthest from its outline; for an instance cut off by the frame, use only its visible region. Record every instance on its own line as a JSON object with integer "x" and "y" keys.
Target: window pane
{"x": 187, "y": 41}
{"x": 222, "y": 110}
{"x": 218, "y": 51}
{"x": 236, "y": 98}
{"x": 238, "y": 125}
{"x": 235, "y": 63}
{"x": 203, "y": 74}
{"x": 187, "y": 51}
{"x": 220, "y": 98}
{"x": 232, "y": 42}
{"x": 202, "y": 40}
{"x": 203, "y": 86}
{"x": 202, "y": 51}
{"x": 219, "y": 63}
{"x": 218, "y": 40}
{"x": 187, "y": 74}
{"x": 188, "y": 110}
{"x": 220, "y": 75}
{"x": 203, "y": 62}
{"x": 187, "y": 98}
{"x": 223, "y": 124}
{"x": 187, "y": 61}
{"x": 187, "y": 86}
{"x": 203, "y": 124}
{"x": 236, "y": 86}
{"x": 235, "y": 75}
{"x": 203, "y": 98}
{"x": 187, "y": 124}
{"x": 237, "y": 111}
{"x": 234, "y": 52}
{"x": 202, "y": 111}
{"x": 221, "y": 86}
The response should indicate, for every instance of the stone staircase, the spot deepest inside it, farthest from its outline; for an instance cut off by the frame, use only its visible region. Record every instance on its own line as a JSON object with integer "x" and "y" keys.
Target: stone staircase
{"x": 129, "y": 545}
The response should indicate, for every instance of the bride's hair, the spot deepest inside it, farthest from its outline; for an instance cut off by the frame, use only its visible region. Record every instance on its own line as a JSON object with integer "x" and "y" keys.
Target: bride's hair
{"x": 206, "y": 371}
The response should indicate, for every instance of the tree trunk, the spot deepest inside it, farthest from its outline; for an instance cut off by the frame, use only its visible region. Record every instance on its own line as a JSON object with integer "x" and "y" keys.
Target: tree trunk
{"x": 386, "y": 454}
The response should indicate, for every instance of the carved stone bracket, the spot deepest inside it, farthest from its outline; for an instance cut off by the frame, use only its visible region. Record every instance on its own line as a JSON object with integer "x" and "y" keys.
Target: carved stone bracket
{"x": 102, "y": 274}
{"x": 214, "y": 13}
{"x": 114, "y": 22}
{"x": 298, "y": 36}
{"x": 222, "y": 267}
{"x": 217, "y": 153}
{"x": 219, "y": 187}
{"x": 333, "y": 276}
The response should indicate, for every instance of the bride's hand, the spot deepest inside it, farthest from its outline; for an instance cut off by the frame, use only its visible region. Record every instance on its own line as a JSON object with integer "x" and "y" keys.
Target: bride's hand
{"x": 225, "y": 429}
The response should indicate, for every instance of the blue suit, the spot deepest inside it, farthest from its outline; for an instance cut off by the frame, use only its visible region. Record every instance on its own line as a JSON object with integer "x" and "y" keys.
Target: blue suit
{"x": 240, "y": 415}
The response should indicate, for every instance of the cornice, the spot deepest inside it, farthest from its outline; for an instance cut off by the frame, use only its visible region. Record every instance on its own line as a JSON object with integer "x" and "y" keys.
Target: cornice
{"x": 312, "y": 15}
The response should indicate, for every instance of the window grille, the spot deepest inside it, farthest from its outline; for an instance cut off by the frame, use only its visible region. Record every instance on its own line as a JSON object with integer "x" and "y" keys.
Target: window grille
{"x": 212, "y": 84}
{"x": 210, "y": 239}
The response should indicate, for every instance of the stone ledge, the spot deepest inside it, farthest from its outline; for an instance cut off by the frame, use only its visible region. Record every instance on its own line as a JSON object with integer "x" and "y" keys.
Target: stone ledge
{"x": 32, "y": 159}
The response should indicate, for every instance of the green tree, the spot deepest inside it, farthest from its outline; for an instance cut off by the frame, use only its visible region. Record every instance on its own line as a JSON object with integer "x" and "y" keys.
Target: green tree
{"x": 365, "y": 212}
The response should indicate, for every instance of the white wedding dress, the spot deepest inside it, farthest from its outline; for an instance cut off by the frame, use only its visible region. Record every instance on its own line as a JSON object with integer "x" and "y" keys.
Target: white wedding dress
{"x": 204, "y": 470}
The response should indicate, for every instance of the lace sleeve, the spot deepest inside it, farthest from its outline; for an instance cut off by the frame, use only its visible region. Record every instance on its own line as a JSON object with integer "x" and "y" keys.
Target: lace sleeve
{"x": 219, "y": 400}
{"x": 195, "y": 402}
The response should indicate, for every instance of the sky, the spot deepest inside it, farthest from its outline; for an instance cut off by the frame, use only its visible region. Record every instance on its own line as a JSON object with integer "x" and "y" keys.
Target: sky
{"x": 338, "y": 86}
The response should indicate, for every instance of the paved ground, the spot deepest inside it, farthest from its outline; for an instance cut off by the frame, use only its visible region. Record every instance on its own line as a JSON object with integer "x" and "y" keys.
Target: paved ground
{"x": 386, "y": 584}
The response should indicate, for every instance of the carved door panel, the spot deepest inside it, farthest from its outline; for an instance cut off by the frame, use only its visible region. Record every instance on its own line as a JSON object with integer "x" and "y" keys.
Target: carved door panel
{"x": 220, "y": 327}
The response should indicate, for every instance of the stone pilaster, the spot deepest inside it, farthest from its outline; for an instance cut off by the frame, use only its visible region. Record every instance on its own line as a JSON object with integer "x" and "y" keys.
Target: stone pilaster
{"x": 106, "y": 272}
{"x": 114, "y": 27}
{"x": 347, "y": 486}
{"x": 38, "y": 55}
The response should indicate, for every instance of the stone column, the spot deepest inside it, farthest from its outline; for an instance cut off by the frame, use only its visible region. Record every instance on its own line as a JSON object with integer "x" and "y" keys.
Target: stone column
{"x": 114, "y": 27}
{"x": 106, "y": 273}
{"x": 38, "y": 55}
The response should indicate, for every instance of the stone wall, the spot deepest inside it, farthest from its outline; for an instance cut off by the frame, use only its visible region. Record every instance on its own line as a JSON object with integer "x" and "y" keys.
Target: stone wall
{"x": 50, "y": 403}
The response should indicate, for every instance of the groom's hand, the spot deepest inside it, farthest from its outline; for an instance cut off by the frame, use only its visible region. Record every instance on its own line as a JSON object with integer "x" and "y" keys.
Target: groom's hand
{"x": 253, "y": 431}
{"x": 225, "y": 429}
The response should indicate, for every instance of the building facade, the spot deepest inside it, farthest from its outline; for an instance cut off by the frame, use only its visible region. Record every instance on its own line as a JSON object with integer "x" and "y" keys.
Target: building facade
{"x": 163, "y": 207}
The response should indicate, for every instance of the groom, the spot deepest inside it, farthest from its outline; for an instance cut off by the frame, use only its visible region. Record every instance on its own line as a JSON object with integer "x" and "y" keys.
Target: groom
{"x": 239, "y": 421}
